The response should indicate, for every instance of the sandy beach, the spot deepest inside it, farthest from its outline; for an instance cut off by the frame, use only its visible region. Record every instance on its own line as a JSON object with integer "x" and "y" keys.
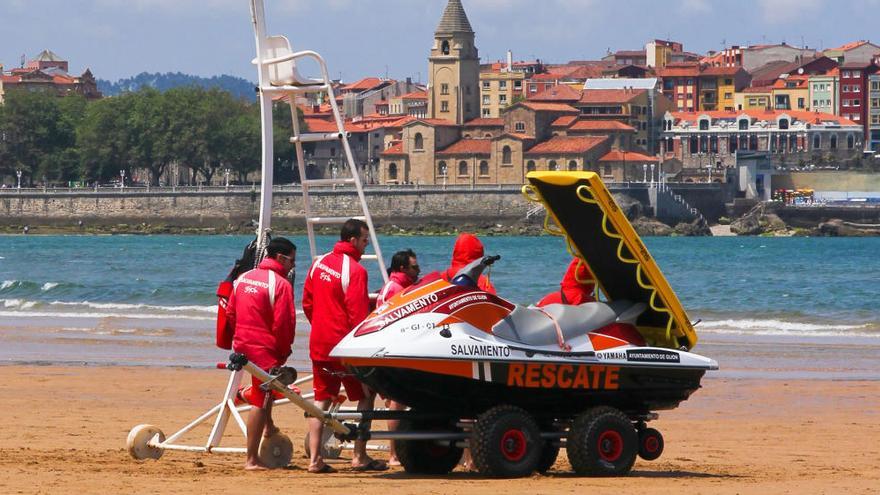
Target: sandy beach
{"x": 65, "y": 432}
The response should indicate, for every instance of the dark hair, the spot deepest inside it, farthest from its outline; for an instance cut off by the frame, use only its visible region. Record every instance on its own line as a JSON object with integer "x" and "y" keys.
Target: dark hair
{"x": 400, "y": 260}
{"x": 352, "y": 228}
{"x": 279, "y": 245}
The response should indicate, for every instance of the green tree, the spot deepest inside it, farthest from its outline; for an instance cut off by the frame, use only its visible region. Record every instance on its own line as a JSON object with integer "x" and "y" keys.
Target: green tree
{"x": 37, "y": 135}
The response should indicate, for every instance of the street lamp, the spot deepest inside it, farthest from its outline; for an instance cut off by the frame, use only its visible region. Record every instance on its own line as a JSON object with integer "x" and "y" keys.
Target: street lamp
{"x": 18, "y": 174}
{"x": 226, "y": 173}
{"x": 122, "y": 179}
{"x": 652, "y": 175}
{"x": 645, "y": 172}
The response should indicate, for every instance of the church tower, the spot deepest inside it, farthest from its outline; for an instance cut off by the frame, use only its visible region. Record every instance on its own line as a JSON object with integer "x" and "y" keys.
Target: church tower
{"x": 454, "y": 68}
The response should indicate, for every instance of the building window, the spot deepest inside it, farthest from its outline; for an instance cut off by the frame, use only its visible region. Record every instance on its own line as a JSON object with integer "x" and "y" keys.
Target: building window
{"x": 487, "y": 112}
{"x": 783, "y": 124}
{"x": 502, "y": 84}
{"x": 857, "y": 102}
{"x": 817, "y": 142}
{"x": 801, "y": 103}
{"x": 850, "y": 141}
{"x": 704, "y": 124}
{"x": 834, "y": 141}
{"x": 419, "y": 142}
{"x": 485, "y": 85}
{"x": 332, "y": 151}
{"x": 442, "y": 169}
{"x": 502, "y": 99}
{"x": 517, "y": 85}
{"x": 506, "y": 155}
{"x": 486, "y": 100}
{"x": 444, "y": 106}
{"x": 484, "y": 168}
{"x": 520, "y": 126}
{"x": 392, "y": 171}
{"x": 530, "y": 166}
{"x": 462, "y": 168}
{"x": 572, "y": 165}
{"x": 743, "y": 124}
{"x": 552, "y": 166}
{"x": 444, "y": 47}
{"x": 444, "y": 89}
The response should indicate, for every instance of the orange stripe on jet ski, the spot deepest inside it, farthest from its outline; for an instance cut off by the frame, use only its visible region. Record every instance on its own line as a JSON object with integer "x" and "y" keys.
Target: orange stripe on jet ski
{"x": 482, "y": 315}
{"x": 601, "y": 342}
{"x": 453, "y": 368}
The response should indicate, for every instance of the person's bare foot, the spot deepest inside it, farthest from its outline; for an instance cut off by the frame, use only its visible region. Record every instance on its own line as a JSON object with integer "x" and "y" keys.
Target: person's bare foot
{"x": 393, "y": 461}
{"x": 255, "y": 466}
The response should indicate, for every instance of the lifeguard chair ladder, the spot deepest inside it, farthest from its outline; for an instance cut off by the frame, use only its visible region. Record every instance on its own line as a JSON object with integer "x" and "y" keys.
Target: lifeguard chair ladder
{"x": 278, "y": 75}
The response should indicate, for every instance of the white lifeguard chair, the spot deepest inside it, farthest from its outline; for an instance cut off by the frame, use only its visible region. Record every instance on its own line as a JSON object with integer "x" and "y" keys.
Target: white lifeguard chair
{"x": 278, "y": 75}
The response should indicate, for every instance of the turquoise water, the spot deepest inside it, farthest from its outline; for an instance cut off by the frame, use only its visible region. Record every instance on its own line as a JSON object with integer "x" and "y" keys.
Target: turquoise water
{"x": 95, "y": 295}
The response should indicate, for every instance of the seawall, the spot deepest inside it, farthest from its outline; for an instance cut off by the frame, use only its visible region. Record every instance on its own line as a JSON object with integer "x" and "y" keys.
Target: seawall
{"x": 220, "y": 208}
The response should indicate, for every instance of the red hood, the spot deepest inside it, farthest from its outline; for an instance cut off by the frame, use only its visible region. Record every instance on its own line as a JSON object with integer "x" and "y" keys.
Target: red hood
{"x": 575, "y": 273}
{"x": 274, "y": 265}
{"x": 343, "y": 247}
{"x": 401, "y": 279}
{"x": 467, "y": 249}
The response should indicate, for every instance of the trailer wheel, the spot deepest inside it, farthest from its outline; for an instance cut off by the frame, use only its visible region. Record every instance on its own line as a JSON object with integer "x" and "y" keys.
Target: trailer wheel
{"x": 506, "y": 443}
{"x": 426, "y": 456}
{"x": 602, "y": 442}
{"x": 138, "y": 442}
{"x": 650, "y": 444}
{"x": 276, "y": 451}
{"x": 331, "y": 447}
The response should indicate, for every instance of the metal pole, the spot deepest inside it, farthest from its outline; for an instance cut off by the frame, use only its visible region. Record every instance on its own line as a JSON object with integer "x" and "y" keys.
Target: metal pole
{"x": 18, "y": 174}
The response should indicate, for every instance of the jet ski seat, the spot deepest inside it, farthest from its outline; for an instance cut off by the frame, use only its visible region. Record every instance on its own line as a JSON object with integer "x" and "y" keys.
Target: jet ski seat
{"x": 533, "y": 326}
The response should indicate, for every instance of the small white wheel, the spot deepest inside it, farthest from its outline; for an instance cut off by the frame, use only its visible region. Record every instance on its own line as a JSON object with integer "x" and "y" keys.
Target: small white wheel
{"x": 331, "y": 446}
{"x": 142, "y": 440}
{"x": 276, "y": 451}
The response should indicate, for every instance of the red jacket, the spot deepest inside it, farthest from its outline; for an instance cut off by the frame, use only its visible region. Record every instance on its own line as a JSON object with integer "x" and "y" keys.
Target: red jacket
{"x": 264, "y": 326}
{"x": 571, "y": 290}
{"x": 332, "y": 310}
{"x": 467, "y": 249}
{"x": 397, "y": 281}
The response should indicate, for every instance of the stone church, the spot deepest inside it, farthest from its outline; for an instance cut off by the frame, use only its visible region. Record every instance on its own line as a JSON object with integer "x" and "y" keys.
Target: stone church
{"x": 454, "y": 146}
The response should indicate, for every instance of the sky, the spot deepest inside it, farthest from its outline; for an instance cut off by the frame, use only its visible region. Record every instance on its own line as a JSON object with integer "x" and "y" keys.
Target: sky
{"x": 360, "y": 38}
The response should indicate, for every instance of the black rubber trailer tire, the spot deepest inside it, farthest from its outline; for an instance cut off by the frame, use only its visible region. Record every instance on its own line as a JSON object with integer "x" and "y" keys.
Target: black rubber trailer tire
{"x": 506, "y": 443}
{"x": 426, "y": 456}
{"x": 650, "y": 444}
{"x": 602, "y": 442}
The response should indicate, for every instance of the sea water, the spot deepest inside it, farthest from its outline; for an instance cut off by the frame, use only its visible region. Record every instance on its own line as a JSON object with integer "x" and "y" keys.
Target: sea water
{"x": 790, "y": 306}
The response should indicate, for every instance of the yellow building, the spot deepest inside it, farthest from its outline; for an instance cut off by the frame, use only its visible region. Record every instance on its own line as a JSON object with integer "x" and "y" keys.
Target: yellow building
{"x": 791, "y": 93}
{"x": 453, "y": 68}
{"x": 754, "y": 98}
{"x": 498, "y": 90}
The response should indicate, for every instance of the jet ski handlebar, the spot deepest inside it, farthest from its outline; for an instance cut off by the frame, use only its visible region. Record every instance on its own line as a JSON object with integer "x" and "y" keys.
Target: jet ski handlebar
{"x": 468, "y": 276}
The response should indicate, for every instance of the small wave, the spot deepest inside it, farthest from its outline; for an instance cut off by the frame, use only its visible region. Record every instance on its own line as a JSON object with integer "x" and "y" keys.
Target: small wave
{"x": 135, "y": 316}
{"x": 48, "y": 286}
{"x": 132, "y": 307}
{"x": 780, "y": 327}
{"x": 7, "y": 284}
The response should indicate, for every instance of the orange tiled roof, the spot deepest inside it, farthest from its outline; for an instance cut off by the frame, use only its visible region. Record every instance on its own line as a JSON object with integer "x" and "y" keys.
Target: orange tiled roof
{"x": 758, "y": 89}
{"x": 610, "y": 95}
{"x": 468, "y": 147}
{"x": 849, "y": 46}
{"x": 484, "y": 122}
{"x": 395, "y": 149}
{"x": 564, "y": 121}
{"x": 363, "y": 85}
{"x": 601, "y": 125}
{"x": 415, "y": 95}
{"x": 566, "y": 144}
{"x": 548, "y": 107}
{"x": 434, "y": 122}
{"x": 560, "y": 92}
{"x": 628, "y": 156}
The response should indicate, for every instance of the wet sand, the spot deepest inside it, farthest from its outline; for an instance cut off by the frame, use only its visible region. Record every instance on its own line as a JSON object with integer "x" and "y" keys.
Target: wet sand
{"x": 65, "y": 430}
